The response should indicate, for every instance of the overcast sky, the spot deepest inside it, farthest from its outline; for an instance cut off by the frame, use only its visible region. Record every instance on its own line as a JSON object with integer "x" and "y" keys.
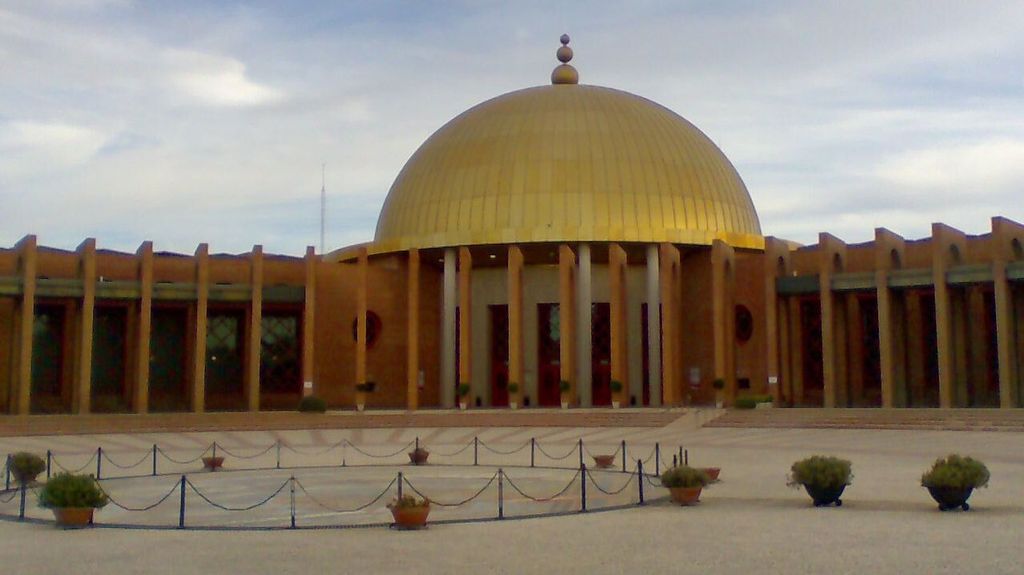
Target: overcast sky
{"x": 186, "y": 122}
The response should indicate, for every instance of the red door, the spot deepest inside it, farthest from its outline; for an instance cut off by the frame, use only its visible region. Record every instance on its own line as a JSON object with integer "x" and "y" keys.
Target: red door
{"x": 499, "y": 355}
{"x": 548, "y": 355}
{"x": 601, "y": 353}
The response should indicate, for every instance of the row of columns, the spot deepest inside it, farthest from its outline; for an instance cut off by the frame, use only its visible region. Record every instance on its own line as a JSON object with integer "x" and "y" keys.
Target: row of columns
{"x": 81, "y": 392}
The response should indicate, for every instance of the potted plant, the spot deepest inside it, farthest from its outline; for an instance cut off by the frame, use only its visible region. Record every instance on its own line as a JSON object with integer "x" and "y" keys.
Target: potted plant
{"x": 564, "y": 386}
{"x": 513, "y": 395}
{"x": 952, "y": 479}
{"x": 604, "y": 461}
{"x": 25, "y": 466}
{"x": 410, "y": 512}
{"x": 312, "y": 404}
{"x": 719, "y": 385}
{"x": 361, "y": 390}
{"x": 213, "y": 462}
{"x": 712, "y": 472}
{"x": 616, "y": 390}
{"x": 823, "y": 477}
{"x": 419, "y": 456}
{"x": 73, "y": 499}
{"x": 464, "y": 389}
{"x": 685, "y": 483}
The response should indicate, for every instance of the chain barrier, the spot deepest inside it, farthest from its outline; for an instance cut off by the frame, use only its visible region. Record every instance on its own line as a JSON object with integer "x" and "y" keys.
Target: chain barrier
{"x": 14, "y": 493}
{"x": 549, "y": 456}
{"x": 183, "y": 461}
{"x": 80, "y": 469}
{"x": 173, "y": 490}
{"x": 652, "y": 482}
{"x": 460, "y": 503}
{"x": 144, "y": 459}
{"x": 613, "y": 454}
{"x": 454, "y": 453}
{"x": 500, "y": 452}
{"x": 513, "y": 485}
{"x": 224, "y": 450}
{"x": 226, "y": 508}
{"x": 354, "y": 509}
{"x": 322, "y": 451}
{"x": 615, "y": 492}
{"x": 378, "y": 456}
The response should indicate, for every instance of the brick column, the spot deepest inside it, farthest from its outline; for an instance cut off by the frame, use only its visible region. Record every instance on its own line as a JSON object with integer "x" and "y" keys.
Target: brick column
{"x": 202, "y": 257}
{"x": 515, "y": 321}
{"x": 946, "y": 242}
{"x": 82, "y": 394}
{"x": 309, "y": 325}
{"x": 1004, "y": 232}
{"x": 830, "y": 247}
{"x": 412, "y": 339}
{"x": 889, "y": 249}
{"x": 144, "y": 255}
{"x": 466, "y": 322}
{"x": 25, "y": 321}
{"x": 723, "y": 262}
{"x": 363, "y": 271}
{"x": 252, "y": 375}
{"x": 669, "y": 268}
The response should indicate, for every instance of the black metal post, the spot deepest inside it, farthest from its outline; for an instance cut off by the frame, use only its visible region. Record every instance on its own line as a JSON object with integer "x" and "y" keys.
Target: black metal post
{"x": 675, "y": 460}
{"x": 476, "y": 444}
{"x": 583, "y": 488}
{"x": 279, "y": 457}
{"x": 400, "y": 481}
{"x": 623, "y": 455}
{"x": 681, "y": 462}
{"x": 215, "y": 449}
{"x": 49, "y": 458}
{"x": 580, "y": 447}
{"x": 417, "y": 442}
{"x": 501, "y": 494}
{"x": 99, "y": 462}
{"x": 640, "y": 478}
{"x": 657, "y": 459}
{"x": 533, "y": 446}
{"x": 7, "y": 473}
{"x": 154, "y": 459}
{"x": 181, "y": 507}
{"x": 21, "y": 506}
{"x": 686, "y": 457}
{"x": 292, "y": 481}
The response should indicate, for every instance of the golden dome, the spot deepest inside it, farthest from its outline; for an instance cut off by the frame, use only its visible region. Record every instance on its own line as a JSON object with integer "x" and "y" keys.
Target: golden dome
{"x": 567, "y": 163}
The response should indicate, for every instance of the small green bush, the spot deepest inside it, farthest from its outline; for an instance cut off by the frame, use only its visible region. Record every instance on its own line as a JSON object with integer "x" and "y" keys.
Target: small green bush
{"x": 513, "y": 388}
{"x": 821, "y": 471}
{"x": 751, "y": 401}
{"x": 956, "y": 471}
{"x": 25, "y": 466}
{"x": 616, "y": 386}
{"x": 564, "y": 386}
{"x": 718, "y": 384}
{"x": 685, "y": 476}
{"x": 69, "y": 490}
{"x": 464, "y": 389}
{"x": 312, "y": 404}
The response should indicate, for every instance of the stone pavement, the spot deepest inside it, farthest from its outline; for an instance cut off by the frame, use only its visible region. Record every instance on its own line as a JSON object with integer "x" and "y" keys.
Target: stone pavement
{"x": 750, "y": 522}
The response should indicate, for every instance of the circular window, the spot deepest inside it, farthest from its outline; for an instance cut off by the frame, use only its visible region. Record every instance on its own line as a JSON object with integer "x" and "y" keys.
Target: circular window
{"x": 744, "y": 324}
{"x": 373, "y": 326}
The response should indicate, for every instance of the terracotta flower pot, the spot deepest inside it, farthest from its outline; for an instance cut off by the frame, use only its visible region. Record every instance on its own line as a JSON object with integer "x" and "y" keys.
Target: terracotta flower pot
{"x": 213, "y": 463}
{"x": 410, "y": 517}
{"x": 73, "y": 517}
{"x": 604, "y": 461}
{"x": 951, "y": 497}
{"x": 685, "y": 495}
{"x": 712, "y": 472}
{"x": 419, "y": 456}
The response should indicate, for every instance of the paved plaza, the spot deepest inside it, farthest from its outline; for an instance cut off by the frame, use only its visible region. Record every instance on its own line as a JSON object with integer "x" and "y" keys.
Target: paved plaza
{"x": 750, "y": 522}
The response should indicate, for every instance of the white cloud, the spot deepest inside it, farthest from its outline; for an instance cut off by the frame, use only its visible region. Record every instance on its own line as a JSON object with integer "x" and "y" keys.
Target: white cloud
{"x": 217, "y": 80}
{"x": 992, "y": 165}
{"x": 28, "y": 148}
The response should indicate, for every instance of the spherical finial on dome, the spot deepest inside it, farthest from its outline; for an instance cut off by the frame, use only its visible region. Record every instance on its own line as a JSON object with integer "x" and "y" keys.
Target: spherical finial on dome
{"x": 565, "y": 74}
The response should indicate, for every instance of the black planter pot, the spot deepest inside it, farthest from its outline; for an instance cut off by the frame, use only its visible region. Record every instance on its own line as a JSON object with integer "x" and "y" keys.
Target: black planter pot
{"x": 827, "y": 495}
{"x": 951, "y": 497}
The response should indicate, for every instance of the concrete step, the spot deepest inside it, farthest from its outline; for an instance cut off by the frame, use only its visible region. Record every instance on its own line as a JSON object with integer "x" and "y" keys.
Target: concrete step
{"x": 862, "y": 418}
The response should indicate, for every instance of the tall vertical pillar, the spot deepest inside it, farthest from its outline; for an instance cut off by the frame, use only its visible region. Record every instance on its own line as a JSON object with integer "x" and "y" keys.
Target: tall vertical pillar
{"x": 584, "y": 321}
{"x": 466, "y": 321}
{"x": 976, "y": 331}
{"x": 914, "y": 336}
{"x": 1004, "y": 232}
{"x": 796, "y": 350}
{"x": 888, "y": 256}
{"x": 362, "y": 273}
{"x": 28, "y": 258}
{"x": 142, "y": 336}
{"x": 774, "y": 265}
{"x": 515, "y": 320}
{"x": 309, "y": 378}
{"x": 202, "y": 258}
{"x": 617, "y": 266}
{"x": 785, "y": 393}
{"x": 83, "y": 373}
{"x": 832, "y": 257}
{"x": 412, "y": 358}
{"x": 255, "y": 331}
{"x": 723, "y": 262}
{"x": 855, "y": 345}
{"x": 567, "y": 315}
{"x": 653, "y": 325}
{"x": 448, "y": 303}
{"x": 669, "y": 268}
{"x": 946, "y": 244}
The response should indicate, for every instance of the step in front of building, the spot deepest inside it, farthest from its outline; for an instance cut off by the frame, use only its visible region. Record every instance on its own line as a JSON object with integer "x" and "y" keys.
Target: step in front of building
{"x": 860, "y": 418}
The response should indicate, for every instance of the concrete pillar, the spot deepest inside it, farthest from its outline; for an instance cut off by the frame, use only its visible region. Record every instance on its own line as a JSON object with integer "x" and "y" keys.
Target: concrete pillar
{"x": 653, "y": 325}
{"x": 1004, "y": 232}
{"x": 670, "y": 367}
{"x": 362, "y": 281}
{"x": 567, "y": 316}
{"x": 82, "y": 394}
{"x": 448, "y": 298}
{"x": 832, "y": 256}
{"x": 466, "y": 323}
{"x": 946, "y": 244}
{"x": 142, "y": 335}
{"x": 584, "y": 343}
{"x": 28, "y": 258}
{"x": 202, "y": 258}
{"x": 889, "y": 250}
{"x": 515, "y": 322}
{"x": 309, "y": 378}
{"x": 617, "y": 267}
{"x": 412, "y": 357}
{"x": 255, "y": 331}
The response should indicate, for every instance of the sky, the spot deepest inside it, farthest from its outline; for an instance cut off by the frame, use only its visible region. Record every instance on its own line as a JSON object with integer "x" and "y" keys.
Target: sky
{"x": 187, "y": 122}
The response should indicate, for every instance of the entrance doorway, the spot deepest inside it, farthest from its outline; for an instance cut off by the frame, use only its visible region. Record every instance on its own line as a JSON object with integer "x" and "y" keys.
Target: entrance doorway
{"x": 499, "y": 355}
{"x": 549, "y": 369}
{"x": 601, "y": 353}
